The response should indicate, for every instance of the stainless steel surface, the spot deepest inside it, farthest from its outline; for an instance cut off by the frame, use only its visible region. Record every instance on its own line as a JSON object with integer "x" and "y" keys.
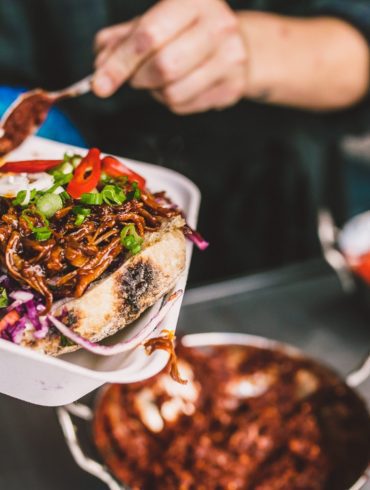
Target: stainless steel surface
{"x": 360, "y": 375}
{"x": 194, "y": 340}
{"x": 328, "y": 234}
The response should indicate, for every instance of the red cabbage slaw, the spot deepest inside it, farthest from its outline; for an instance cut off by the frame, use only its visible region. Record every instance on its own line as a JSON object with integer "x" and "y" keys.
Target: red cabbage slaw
{"x": 28, "y": 305}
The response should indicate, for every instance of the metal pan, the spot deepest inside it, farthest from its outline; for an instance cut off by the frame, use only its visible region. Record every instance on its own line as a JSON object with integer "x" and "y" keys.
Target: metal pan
{"x": 76, "y": 412}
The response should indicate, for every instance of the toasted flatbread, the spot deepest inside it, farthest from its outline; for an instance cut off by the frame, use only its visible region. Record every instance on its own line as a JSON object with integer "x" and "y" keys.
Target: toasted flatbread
{"x": 119, "y": 298}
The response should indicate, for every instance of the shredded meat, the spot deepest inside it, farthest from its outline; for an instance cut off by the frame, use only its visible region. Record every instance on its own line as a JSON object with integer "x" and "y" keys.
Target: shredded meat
{"x": 74, "y": 256}
{"x": 166, "y": 342}
{"x": 12, "y": 260}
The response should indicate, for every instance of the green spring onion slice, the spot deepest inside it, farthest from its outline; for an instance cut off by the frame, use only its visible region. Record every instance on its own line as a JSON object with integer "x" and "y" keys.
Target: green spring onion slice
{"x": 93, "y": 198}
{"x": 112, "y": 194}
{"x": 40, "y": 233}
{"x": 81, "y": 214}
{"x": 49, "y": 204}
{"x": 3, "y": 298}
{"x": 43, "y": 233}
{"x": 130, "y": 239}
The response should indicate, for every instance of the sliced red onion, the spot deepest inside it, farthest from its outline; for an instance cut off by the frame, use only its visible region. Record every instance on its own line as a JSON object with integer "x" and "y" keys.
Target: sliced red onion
{"x": 20, "y": 298}
{"x": 195, "y": 237}
{"x": 111, "y": 350}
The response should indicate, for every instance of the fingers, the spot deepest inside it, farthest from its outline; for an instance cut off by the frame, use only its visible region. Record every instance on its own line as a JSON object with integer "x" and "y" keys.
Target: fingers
{"x": 108, "y": 39}
{"x": 191, "y": 86}
{"x": 106, "y": 52}
{"x": 175, "y": 60}
{"x": 221, "y": 95}
{"x": 232, "y": 54}
{"x": 165, "y": 21}
{"x": 189, "y": 53}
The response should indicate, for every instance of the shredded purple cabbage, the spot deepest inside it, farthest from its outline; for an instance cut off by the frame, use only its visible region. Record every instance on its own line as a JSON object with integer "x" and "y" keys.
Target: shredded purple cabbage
{"x": 27, "y": 304}
{"x": 14, "y": 332}
{"x": 32, "y": 314}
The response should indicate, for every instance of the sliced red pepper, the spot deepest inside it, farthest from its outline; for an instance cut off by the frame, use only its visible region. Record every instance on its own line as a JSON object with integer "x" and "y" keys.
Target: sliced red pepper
{"x": 87, "y": 174}
{"x": 29, "y": 166}
{"x": 9, "y": 319}
{"x": 116, "y": 168}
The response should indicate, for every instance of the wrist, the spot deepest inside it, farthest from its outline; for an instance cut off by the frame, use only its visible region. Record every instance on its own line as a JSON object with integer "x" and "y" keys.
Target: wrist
{"x": 260, "y": 76}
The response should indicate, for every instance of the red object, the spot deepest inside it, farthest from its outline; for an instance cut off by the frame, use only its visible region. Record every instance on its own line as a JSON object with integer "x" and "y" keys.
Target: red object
{"x": 362, "y": 267}
{"x": 86, "y": 175}
{"x": 9, "y": 319}
{"x": 116, "y": 168}
{"x": 29, "y": 166}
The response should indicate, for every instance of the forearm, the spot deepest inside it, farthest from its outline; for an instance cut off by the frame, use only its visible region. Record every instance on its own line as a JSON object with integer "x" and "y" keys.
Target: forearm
{"x": 318, "y": 64}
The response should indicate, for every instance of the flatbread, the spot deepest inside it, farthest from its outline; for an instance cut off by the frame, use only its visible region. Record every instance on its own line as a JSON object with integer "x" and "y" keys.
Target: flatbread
{"x": 119, "y": 298}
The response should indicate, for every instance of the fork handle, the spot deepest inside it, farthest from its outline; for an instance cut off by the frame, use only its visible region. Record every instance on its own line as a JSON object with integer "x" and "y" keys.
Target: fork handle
{"x": 79, "y": 88}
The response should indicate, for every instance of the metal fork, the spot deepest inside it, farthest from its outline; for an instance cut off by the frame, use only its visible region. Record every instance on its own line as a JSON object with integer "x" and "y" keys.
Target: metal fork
{"x": 79, "y": 88}
{"x": 26, "y": 114}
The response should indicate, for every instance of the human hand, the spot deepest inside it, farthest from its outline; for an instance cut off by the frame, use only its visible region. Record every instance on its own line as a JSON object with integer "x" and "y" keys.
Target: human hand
{"x": 189, "y": 53}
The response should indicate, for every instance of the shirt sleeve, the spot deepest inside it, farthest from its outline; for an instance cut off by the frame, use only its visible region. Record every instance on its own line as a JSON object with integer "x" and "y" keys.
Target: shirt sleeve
{"x": 356, "y": 12}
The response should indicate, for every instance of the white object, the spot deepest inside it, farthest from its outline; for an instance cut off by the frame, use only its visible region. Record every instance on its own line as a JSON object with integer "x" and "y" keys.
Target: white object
{"x": 49, "y": 381}
{"x": 354, "y": 239}
{"x": 11, "y": 184}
